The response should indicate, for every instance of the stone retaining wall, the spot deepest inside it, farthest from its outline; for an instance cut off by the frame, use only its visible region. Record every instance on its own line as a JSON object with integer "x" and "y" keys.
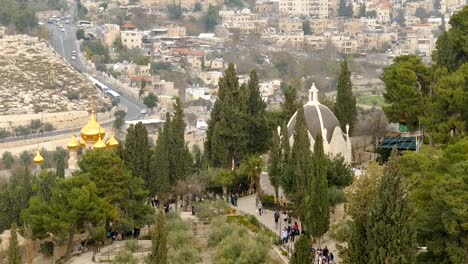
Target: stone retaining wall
{"x": 60, "y": 120}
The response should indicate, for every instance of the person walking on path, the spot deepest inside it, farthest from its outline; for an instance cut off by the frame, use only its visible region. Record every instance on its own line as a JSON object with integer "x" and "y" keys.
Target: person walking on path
{"x": 260, "y": 208}
{"x": 285, "y": 235}
{"x": 277, "y": 216}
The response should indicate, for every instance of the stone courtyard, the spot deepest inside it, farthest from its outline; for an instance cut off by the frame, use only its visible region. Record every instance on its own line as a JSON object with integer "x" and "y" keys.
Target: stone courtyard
{"x": 34, "y": 79}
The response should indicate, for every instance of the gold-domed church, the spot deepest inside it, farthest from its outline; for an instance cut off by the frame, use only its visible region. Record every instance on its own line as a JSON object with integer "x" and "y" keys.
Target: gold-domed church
{"x": 92, "y": 137}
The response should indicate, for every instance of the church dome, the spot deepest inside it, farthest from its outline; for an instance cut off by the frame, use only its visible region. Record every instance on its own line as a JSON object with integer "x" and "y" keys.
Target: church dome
{"x": 38, "y": 159}
{"x": 73, "y": 144}
{"x": 112, "y": 143}
{"x": 317, "y": 117}
{"x": 93, "y": 130}
{"x": 99, "y": 144}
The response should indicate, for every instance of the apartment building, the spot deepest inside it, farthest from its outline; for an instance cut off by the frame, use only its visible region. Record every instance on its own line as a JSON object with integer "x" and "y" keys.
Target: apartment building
{"x": 308, "y": 8}
{"x": 267, "y": 7}
{"x": 245, "y": 21}
{"x": 290, "y": 24}
{"x": 131, "y": 39}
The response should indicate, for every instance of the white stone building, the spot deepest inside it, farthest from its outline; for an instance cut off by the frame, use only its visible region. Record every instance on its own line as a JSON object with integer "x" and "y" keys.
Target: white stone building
{"x": 320, "y": 119}
{"x": 309, "y": 8}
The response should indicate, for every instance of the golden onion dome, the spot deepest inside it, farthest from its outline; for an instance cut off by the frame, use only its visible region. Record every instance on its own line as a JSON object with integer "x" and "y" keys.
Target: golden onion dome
{"x": 99, "y": 144}
{"x": 73, "y": 144}
{"x": 82, "y": 143}
{"x": 112, "y": 143}
{"x": 38, "y": 159}
{"x": 93, "y": 130}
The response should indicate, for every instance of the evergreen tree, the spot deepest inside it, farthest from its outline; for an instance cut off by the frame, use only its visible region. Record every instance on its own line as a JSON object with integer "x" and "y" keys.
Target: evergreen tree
{"x": 302, "y": 253}
{"x": 300, "y": 171}
{"x": 274, "y": 162}
{"x": 158, "y": 253}
{"x": 159, "y": 167}
{"x": 180, "y": 160}
{"x": 362, "y": 10}
{"x": 226, "y": 138}
{"x": 342, "y": 10}
{"x": 117, "y": 185}
{"x": 391, "y": 235}
{"x": 318, "y": 217}
{"x": 60, "y": 170}
{"x": 291, "y": 102}
{"x": 258, "y": 133}
{"x": 137, "y": 152}
{"x": 349, "y": 9}
{"x": 14, "y": 197}
{"x": 345, "y": 106}
{"x": 286, "y": 163}
{"x": 14, "y": 253}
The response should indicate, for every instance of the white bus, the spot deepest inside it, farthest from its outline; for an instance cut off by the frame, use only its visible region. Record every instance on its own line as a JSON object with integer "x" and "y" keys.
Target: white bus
{"x": 113, "y": 95}
{"x": 84, "y": 23}
{"x": 102, "y": 87}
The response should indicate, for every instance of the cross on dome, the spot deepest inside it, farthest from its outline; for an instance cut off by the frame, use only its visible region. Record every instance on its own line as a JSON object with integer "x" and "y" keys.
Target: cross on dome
{"x": 313, "y": 93}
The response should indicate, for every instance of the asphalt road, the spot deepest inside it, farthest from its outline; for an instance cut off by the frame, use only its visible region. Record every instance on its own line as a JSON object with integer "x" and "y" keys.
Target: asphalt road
{"x": 64, "y": 43}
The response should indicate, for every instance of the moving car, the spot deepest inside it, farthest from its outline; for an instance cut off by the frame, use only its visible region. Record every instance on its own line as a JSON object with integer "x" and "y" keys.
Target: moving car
{"x": 73, "y": 57}
{"x": 143, "y": 111}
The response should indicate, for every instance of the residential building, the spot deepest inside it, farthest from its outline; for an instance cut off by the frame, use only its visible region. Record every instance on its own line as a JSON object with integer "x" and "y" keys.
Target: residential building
{"x": 131, "y": 39}
{"x": 290, "y": 24}
{"x": 309, "y": 8}
{"x": 196, "y": 92}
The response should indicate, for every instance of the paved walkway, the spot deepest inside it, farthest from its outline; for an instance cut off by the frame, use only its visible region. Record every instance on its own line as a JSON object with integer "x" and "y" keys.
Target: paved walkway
{"x": 247, "y": 204}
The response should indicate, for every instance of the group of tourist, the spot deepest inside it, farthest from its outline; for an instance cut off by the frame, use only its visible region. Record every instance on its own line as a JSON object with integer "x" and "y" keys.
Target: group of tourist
{"x": 290, "y": 231}
{"x": 324, "y": 256}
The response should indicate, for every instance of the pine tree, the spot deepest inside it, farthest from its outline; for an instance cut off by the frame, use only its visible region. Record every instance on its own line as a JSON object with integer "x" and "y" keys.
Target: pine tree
{"x": 60, "y": 170}
{"x": 257, "y": 130}
{"x": 180, "y": 160}
{"x": 391, "y": 233}
{"x": 318, "y": 217}
{"x": 274, "y": 163}
{"x": 302, "y": 253}
{"x": 158, "y": 253}
{"x": 14, "y": 253}
{"x": 159, "y": 167}
{"x": 345, "y": 106}
{"x": 137, "y": 152}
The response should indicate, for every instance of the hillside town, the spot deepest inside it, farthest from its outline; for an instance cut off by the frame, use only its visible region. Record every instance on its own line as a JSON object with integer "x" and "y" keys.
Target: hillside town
{"x": 233, "y": 131}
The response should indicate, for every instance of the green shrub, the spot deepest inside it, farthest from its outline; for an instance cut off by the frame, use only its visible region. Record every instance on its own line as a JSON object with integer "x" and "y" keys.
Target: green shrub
{"x": 243, "y": 249}
{"x": 47, "y": 248}
{"x": 125, "y": 257}
{"x": 220, "y": 230}
{"x": 267, "y": 200}
{"x": 207, "y": 210}
{"x": 335, "y": 197}
{"x": 132, "y": 245}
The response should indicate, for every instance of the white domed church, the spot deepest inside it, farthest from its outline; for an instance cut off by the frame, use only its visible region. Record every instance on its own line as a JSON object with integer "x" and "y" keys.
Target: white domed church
{"x": 320, "y": 119}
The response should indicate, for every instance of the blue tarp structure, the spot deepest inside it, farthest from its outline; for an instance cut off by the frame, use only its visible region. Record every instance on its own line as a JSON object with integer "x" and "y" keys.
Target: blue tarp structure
{"x": 401, "y": 143}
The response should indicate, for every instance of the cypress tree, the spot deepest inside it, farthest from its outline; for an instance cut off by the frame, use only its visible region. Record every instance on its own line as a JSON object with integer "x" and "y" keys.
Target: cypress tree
{"x": 291, "y": 103}
{"x": 159, "y": 167}
{"x": 14, "y": 254}
{"x": 391, "y": 233}
{"x": 300, "y": 168}
{"x": 345, "y": 106}
{"x": 286, "y": 178}
{"x": 274, "y": 162}
{"x": 60, "y": 169}
{"x": 301, "y": 254}
{"x": 158, "y": 253}
{"x": 318, "y": 217}
{"x": 137, "y": 153}
{"x": 179, "y": 156}
{"x": 226, "y": 138}
{"x": 257, "y": 129}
